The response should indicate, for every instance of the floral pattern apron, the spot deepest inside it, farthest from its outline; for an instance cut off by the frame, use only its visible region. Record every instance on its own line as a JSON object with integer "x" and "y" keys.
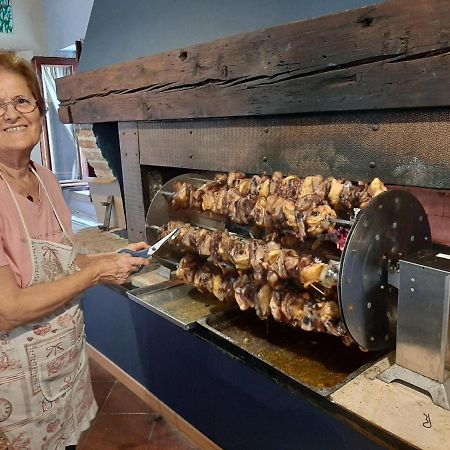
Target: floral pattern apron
{"x": 46, "y": 397}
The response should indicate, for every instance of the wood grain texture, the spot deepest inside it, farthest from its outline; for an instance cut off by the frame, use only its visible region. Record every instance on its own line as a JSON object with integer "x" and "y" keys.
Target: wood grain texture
{"x": 391, "y": 55}
{"x": 132, "y": 181}
{"x": 401, "y": 410}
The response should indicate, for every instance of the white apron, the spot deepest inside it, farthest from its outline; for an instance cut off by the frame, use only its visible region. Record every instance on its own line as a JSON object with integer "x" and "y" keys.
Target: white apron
{"x": 46, "y": 397}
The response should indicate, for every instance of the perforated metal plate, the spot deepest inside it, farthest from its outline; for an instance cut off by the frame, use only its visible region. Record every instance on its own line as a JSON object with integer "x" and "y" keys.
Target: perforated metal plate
{"x": 404, "y": 147}
{"x": 393, "y": 225}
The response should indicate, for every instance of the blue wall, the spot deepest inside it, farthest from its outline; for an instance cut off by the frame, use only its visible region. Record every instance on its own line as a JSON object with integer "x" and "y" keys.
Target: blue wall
{"x": 122, "y": 30}
{"x": 236, "y": 406}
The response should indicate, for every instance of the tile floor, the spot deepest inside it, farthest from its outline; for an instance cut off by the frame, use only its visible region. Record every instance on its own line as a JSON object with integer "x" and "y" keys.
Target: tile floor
{"x": 124, "y": 421}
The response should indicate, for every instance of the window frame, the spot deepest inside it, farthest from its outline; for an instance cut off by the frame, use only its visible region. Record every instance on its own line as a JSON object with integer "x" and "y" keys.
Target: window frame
{"x": 38, "y": 62}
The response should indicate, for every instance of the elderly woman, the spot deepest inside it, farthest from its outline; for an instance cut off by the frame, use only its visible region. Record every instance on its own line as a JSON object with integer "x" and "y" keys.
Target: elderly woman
{"x": 46, "y": 397}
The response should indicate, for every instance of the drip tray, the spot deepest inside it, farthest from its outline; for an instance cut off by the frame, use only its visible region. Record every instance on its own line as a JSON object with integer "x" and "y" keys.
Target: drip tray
{"x": 317, "y": 361}
{"x": 177, "y": 302}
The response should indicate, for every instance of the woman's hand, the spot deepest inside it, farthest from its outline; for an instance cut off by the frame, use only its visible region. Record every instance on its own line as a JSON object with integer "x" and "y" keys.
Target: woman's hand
{"x": 116, "y": 268}
{"x": 138, "y": 246}
{"x": 83, "y": 261}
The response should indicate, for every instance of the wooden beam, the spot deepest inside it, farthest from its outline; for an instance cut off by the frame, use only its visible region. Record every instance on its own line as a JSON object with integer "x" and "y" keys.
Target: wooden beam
{"x": 392, "y": 55}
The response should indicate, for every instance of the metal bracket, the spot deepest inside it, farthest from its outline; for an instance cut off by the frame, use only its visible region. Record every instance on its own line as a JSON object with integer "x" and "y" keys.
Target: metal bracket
{"x": 107, "y": 220}
{"x": 439, "y": 392}
{"x": 165, "y": 272}
{"x": 422, "y": 340}
{"x": 394, "y": 277}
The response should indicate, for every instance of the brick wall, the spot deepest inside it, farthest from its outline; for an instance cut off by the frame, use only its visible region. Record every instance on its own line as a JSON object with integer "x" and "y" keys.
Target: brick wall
{"x": 437, "y": 206}
{"x": 88, "y": 147}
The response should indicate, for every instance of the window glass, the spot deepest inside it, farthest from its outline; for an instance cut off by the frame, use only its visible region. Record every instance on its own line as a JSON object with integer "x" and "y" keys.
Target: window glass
{"x": 63, "y": 148}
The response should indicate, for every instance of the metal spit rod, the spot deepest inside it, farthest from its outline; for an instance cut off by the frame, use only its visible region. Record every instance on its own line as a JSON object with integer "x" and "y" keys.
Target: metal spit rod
{"x": 199, "y": 179}
{"x": 341, "y": 221}
{"x": 167, "y": 194}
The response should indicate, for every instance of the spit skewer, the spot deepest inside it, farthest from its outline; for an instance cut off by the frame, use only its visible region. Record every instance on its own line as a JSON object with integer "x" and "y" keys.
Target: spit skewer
{"x": 341, "y": 221}
{"x": 167, "y": 194}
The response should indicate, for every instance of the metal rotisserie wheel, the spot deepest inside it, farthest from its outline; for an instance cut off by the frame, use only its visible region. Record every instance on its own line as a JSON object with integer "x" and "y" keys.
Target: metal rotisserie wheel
{"x": 393, "y": 225}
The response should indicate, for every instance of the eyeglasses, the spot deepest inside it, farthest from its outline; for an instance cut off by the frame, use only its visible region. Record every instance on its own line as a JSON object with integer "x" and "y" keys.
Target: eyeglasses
{"x": 24, "y": 105}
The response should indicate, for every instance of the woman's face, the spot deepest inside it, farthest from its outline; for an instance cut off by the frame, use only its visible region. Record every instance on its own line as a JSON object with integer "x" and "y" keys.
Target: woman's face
{"x": 18, "y": 132}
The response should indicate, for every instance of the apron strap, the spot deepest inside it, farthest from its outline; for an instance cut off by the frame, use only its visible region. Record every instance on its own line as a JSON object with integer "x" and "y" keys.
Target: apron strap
{"x": 19, "y": 211}
{"x": 53, "y": 206}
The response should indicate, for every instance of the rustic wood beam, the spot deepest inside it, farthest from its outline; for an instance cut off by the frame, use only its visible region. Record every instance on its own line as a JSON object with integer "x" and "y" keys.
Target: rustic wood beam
{"x": 392, "y": 55}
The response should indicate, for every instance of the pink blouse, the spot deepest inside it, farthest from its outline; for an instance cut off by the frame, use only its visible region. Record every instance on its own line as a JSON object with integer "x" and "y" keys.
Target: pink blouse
{"x": 40, "y": 221}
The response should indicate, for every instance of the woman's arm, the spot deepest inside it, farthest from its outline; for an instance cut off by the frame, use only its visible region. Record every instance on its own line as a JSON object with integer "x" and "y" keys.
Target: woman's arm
{"x": 19, "y": 306}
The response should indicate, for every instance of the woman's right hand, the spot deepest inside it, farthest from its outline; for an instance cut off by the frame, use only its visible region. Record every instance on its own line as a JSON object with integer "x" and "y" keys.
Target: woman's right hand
{"x": 116, "y": 268}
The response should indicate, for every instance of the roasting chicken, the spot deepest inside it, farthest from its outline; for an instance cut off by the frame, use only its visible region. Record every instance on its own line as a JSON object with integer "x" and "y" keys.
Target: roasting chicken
{"x": 305, "y": 206}
{"x": 267, "y": 260}
{"x": 294, "y": 307}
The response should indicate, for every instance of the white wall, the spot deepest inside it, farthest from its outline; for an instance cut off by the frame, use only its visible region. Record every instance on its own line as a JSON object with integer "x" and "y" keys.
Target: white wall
{"x": 29, "y": 30}
{"x": 66, "y": 21}
{"x": 44, "y": 27}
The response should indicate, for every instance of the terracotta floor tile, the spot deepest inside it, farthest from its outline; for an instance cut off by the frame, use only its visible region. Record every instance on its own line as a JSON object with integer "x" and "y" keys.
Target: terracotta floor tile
{"x": 119, "y": 431}
{"x": 124, "y": 421}
{"x": 122, "y": 400}
{"x": 98, "y": 373}
{"x": 101, "y": 390}
{"x": 164, "y": 436}
{"x": 84, "y": 436}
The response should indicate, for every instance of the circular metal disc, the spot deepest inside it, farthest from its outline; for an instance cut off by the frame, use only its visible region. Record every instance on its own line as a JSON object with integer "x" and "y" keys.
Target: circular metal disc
{"x": 393, "y": 225}
{"x": 160, "y": 212}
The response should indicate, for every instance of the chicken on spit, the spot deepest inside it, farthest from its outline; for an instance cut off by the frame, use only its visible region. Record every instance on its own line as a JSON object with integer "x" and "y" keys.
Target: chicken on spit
{"x": 305, "y": 206}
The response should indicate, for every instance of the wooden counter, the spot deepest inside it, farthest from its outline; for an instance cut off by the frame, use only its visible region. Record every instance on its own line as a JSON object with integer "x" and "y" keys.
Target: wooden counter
{"x": 396, "y": 408}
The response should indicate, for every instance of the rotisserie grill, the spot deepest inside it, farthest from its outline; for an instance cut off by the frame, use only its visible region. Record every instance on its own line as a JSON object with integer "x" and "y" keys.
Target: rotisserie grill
{"x": 317, "y": 254}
